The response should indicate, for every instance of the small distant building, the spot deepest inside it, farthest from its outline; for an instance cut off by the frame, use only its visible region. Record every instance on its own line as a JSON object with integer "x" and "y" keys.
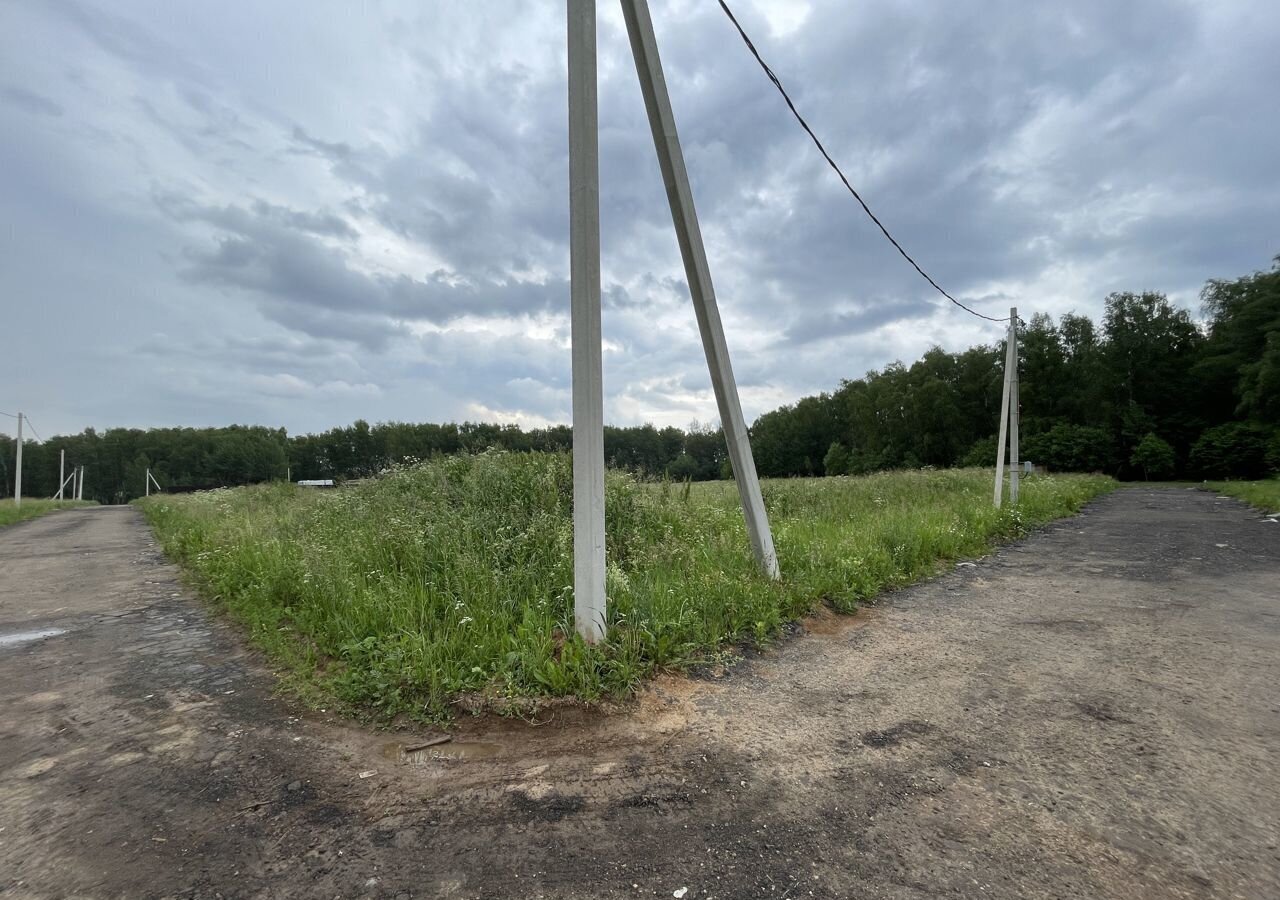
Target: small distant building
{"x": 316, "y": 482}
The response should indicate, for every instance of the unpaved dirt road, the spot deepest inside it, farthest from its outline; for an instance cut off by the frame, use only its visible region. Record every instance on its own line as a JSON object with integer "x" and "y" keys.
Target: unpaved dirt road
{"x": 1093, "y": 712}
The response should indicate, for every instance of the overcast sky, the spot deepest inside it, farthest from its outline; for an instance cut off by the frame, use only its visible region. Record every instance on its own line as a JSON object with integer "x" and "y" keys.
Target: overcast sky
{"x": 302, "y": 213}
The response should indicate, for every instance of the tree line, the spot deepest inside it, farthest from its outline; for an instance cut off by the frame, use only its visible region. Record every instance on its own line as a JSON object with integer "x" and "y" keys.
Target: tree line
{"x": 1147, "y": 393}
{"x": 189, "y": 459}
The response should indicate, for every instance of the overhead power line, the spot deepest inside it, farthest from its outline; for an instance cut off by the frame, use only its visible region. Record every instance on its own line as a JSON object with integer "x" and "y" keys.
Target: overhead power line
{"x": 33, "y": 429}
{"x": 10, "y": 415}
{"x": 831, "y": 162}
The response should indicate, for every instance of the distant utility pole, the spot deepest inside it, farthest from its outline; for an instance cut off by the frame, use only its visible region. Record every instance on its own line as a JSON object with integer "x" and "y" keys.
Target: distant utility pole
{"x": 80, "y": 485}
{"x": 589, "y": 603}
{"x": 666, "y": 141}
{"x": 62, "y": 470}
{"x": 1009, "y": 415}
{"x": 150, "y": 481}
{"x": 17, "y": 478}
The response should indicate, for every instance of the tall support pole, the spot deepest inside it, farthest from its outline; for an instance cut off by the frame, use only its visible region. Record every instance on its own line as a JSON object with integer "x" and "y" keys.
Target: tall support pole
{"x": 62, "y": 471}
{"x": 1004, "y": 415}
{"x": 147, "y": 483}
{"x": 17, "y": 477}
{"x": 80, "y": 485}
{"x": 1013, "y": 407}
{"x": 589, "y": 608}
{"x": 657, "y": 102}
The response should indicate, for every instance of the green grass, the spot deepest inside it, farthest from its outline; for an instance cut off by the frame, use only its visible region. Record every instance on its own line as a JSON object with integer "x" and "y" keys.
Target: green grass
{"x": 9, "y": 513}
{"x": 451, "y": 582}
{"x": 1265, "y": 495}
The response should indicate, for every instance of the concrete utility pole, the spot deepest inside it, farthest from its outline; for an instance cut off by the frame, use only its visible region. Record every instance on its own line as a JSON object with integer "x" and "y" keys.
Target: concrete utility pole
{"x": 147, "y": 484}
{"x": 1010, "y": 373}
{"x": 62, "y": 487}
{"x": 62, "y": 471}
{"x": 17, "y": 477}
{"x": 589, "y": 603}
{"x": 80, "y": 485}
{"x": 1013, "y": 408}
{"x": 662, "y": 123}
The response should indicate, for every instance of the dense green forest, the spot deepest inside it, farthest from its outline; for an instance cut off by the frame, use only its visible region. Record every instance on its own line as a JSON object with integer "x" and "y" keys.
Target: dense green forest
{"x": 1148, "y": 393}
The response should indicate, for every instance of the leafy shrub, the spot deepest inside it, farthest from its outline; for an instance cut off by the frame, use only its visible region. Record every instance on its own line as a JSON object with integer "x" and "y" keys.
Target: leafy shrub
{"x": 836, "y": 462}
{"x": 1235, "y": 450}
{"x": 1154, "y": 456}
{"x": 982, "y": 454}
{"x": 1071, "y": 448}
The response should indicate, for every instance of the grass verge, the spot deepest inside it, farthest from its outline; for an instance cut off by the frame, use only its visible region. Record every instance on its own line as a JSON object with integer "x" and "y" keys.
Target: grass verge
{"x": 1265, "y": 495}
{"x": 30, "y": 509}
{"x": 451, "y": 582}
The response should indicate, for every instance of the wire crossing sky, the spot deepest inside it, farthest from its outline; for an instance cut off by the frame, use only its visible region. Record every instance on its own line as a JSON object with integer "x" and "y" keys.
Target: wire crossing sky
{"x": 198, "y": 230}
{"x": 840, "y": 172}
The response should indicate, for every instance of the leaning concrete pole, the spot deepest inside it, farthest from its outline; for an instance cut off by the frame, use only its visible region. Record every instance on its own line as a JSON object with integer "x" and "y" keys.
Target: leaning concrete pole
{"x": 17, "y": 477}
{"x": 657, "y": 102}
{"x": 1004, "y": 416}
{"x": 1013, "y": 407}
{"x": 589, "y": 604}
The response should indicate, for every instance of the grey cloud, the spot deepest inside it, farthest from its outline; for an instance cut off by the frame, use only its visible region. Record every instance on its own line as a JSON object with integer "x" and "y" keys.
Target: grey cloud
{"x": 30, "y": 101}
{"x": 1034, "y": 154}
{"x": 270, "y": 251}
{"x": 833, "y": 325}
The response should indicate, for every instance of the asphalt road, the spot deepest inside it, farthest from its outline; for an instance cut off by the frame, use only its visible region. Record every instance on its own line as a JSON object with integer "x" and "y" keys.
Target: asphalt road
{"x": 1092, "y": 712}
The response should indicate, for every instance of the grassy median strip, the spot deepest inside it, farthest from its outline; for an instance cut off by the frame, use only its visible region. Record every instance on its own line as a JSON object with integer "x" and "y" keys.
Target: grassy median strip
{"x": 1265, "y": 495}
{"x": 450, "y": 582}
{"x": 30, "y": 509}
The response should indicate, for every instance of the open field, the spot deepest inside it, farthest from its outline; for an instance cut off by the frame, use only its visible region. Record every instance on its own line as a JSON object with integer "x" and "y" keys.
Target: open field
{"x": 1265, "y": 495}
{"x": 1087, "y": 712}
{"x": 449, "y": 583}
{"x": 9, "y": 513}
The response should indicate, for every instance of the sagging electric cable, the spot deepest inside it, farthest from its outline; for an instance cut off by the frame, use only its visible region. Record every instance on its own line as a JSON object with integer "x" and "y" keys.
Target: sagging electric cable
{"x": 831, "y": 162}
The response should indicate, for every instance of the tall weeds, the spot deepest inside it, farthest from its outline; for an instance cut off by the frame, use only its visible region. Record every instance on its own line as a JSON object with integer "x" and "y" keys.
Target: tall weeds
{"x": 454, "y": 578}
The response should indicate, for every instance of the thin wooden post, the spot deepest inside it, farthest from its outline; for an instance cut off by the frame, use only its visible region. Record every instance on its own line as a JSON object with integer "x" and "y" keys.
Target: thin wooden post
{"x": 666, "y": 140}
{"x": 589, "y": 602}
